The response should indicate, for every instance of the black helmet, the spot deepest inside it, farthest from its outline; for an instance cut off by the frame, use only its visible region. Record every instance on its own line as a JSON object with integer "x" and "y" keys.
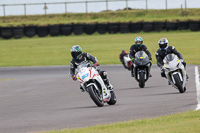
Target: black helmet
{"x": 163, "y": 43}
{"x": 76, "y": 51}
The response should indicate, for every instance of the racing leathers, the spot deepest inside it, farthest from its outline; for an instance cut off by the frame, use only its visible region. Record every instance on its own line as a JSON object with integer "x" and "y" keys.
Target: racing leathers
{"x": 133, "y": 50}
{"x": 86, "y": 58}
{"x": 160, "y": 55}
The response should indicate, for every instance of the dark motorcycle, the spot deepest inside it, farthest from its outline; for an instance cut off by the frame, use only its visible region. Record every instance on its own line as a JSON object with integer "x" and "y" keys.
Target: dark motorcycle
{"x": 141, "y": 67}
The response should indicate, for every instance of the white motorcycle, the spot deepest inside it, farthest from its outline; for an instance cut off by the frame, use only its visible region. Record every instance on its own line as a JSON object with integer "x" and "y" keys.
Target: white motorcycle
{"x": 127, "y": 61}
{"x": 175, "y": 72}
{"x": 92, "y": 83}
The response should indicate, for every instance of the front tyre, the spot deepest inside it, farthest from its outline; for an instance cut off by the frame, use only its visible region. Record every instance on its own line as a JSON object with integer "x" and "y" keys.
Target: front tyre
{"x": 96, "y": 97}
{"x": 141, "y": 80}
{"x": 179, "y": 83}
{"x": 113, "y": 99}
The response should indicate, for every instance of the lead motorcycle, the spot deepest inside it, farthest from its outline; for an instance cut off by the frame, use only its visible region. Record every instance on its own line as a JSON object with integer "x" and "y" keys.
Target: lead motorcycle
{"x": 92, "y": 83}
{"x": 175, "y": 72}
{"x": 141, "y": 68}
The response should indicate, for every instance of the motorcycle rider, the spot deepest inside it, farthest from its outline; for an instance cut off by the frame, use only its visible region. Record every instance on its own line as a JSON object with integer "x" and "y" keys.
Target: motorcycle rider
{"x": 78, "y": 57}
{"x": 138, "y": 46}
{"x": 121, "y": 57}
{"x": 165, "y": 49}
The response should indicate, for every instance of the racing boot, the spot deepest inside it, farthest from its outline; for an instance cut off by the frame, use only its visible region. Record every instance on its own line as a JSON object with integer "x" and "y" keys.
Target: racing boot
{"x": 108, "y": 84}
{"x": 169, "y": 83}
{"x": 187, "y": 77}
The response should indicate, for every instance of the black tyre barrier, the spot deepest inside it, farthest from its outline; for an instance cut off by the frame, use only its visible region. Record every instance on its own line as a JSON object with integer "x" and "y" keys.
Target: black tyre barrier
{"x": 171, "y": 26}
{"x": 159, "y": 26}
{"x": 194, "y": 25}
{"x": 54, "y": 30}
{"x": 124, "y": 27}
{"x": 184, "y": 25}
{"x": 113, "y": 28}
{"x": 78, "y": 29}
{"x": 66, "y": 29}
{"x": 42, "y": 31}
{"x": 102, "y": 28}
{"x": 136, "y": 27}
{"x": 90, "y": 29}
{"x": 6, "y": 32}
{"x": 18, "y": 32}
{"x": 30, "y": 31}
{"x": 148, "y": 26}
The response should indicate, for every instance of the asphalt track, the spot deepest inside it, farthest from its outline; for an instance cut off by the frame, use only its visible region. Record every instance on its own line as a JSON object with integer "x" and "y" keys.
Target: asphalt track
{"x": 46, "y": 98}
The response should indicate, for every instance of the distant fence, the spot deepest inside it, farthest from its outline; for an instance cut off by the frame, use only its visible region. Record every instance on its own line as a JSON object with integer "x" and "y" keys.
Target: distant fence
{"x": 101, "y": 28}
{"x": 64, "y": 7}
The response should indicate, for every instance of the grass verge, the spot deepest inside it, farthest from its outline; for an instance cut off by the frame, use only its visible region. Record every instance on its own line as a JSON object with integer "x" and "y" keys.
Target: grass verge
{"x": 111, "y": 16}
{"x": 187, "y": 122}
{"x": 56, "y": 50}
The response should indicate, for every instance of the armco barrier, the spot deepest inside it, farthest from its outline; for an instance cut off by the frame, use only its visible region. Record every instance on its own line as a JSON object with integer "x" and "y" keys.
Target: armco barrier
{"x": 18, "y": 32}
{"x": 90, "y": 28}
{"x": 194, "y": 25}
{"x": 148, "y": 26}
{"x": 66, "y": 29}
{"x": 78, "y": 29}
{"x": 102, "y": 28}
{"x": 113, "y": 28}
{"x": 42, "y": 31}
{"x": 136, "y": 27}
{"x": 171, "y": 26}
{"x": 54, "y": 30}
{"x": 124, "y": 27}
{"x": 6, "y": 32}
{"x": 184, "y": 25}
{"x": 159, "y": 26}
{"x": 30, "y": 31}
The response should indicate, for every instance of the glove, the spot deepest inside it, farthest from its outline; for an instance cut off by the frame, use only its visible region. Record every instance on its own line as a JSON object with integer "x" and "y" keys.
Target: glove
{"x": 96, "y": 64}
{"x": 74, "y": 78}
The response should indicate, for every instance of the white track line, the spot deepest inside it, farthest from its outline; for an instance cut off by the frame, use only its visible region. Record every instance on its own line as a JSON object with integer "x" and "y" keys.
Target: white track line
{"x": 197, "y": 86}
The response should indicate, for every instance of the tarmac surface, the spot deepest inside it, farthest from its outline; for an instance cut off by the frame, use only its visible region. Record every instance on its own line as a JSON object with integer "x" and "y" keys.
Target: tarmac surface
{"x": 46, "y": 98}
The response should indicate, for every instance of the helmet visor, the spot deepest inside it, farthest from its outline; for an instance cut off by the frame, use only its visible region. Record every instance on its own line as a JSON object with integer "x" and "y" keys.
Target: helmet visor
{"x": 163, "y": 45}
{"x": 76, "y": 55}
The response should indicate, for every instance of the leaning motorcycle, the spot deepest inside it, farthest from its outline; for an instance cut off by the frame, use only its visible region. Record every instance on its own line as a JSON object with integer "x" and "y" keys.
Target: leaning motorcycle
{"x": 141, "y": 67}
{"x": 92, "y": 83}
{"x": 175, "y": 72}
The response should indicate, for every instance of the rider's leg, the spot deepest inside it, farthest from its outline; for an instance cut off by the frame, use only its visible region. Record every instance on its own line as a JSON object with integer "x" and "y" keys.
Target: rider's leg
{"x": 104, "y": 76}
{"x": 184, "y": 64}
{"x": 132, "y": 70}
{"x": 150, "y": 69}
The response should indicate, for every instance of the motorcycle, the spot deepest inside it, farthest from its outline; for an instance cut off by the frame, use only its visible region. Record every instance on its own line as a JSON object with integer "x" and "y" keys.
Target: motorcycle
{"x": 141, "y": 66}
{"x": 92, "y": 83}
{"x": 175, "y": 72}
{"x": 125, "y": 59}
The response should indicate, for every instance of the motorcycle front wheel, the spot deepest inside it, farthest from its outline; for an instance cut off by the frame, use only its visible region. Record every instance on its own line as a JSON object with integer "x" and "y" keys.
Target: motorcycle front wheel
{"x": 96, "y": 96}
{"x": 179, "y": 83}
{"x": 141, "y": 80}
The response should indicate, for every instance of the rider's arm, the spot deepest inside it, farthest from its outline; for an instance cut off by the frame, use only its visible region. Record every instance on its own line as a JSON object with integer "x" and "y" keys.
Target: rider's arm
{"x": 159, "y": 60}
{"x": 177, "y": 53}
{"x": 132, "y": 52}
{"x": 91, "y": 58}
{"x": 147, "y": 51}
{"x": 72, "y": 70}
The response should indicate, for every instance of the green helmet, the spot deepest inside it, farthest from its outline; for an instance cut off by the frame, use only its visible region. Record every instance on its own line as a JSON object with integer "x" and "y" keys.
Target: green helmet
{"x": 139, "y": 41}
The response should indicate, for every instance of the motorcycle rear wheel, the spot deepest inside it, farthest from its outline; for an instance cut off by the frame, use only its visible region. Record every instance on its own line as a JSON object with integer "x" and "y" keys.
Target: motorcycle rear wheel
{"x": 113, "y": 99}
{"x": 96, "y": 97}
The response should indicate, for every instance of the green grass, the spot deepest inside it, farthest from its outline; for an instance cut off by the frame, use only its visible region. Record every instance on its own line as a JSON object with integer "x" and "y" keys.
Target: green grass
{"x": 56, "y": 50}
{"x": 187, "y": 122}
{"x": 111, "y": 16}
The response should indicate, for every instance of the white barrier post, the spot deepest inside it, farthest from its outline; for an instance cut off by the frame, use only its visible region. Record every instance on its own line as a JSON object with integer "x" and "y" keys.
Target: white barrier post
{"x": 197, "y": 86}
